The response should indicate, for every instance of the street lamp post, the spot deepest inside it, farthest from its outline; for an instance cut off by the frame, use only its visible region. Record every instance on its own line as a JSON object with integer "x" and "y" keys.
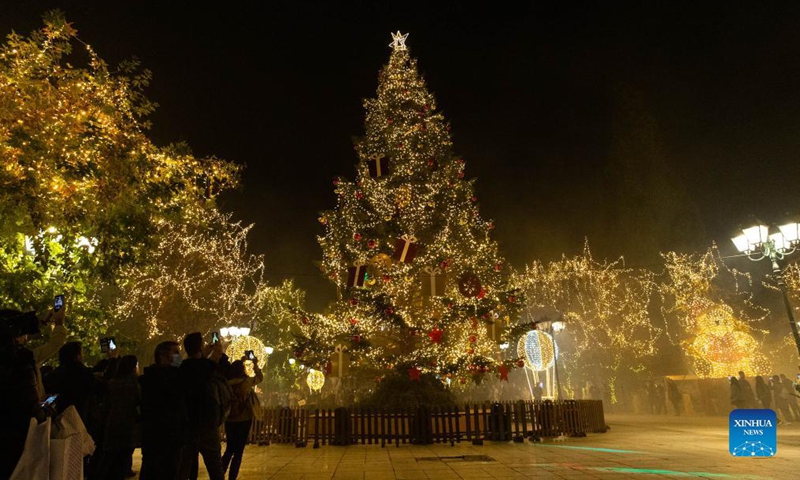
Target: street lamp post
{"x": 757, "y": 243}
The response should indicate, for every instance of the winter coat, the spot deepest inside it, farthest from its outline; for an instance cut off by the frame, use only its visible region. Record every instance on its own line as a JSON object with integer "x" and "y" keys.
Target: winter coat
{"x": 242, "y": 411}
{"x": 196, "y": 374}
{"x": 75, "y": 385}
{"x": 163, "y": 412}
{"x": 121, "y": 414}
{"x": 737, "y": 398}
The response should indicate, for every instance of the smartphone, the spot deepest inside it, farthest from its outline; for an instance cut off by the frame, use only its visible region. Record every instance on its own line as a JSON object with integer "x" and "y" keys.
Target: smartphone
{"x": 106, "y": 344}
{"x": 58, "y": 303}
{"x": 214, "y": 337}
{"x": 50, "y": 402}
{"x": 250, "y": 355}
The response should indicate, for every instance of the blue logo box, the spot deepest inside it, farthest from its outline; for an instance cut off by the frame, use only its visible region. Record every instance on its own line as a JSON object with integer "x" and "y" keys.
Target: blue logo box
{"x": 753, "y": 433}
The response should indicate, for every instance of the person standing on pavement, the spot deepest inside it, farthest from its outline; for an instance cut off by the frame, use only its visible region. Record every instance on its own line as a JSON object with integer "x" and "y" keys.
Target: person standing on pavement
{"x": 763, "y": 392}
{"x": 747, "y": 392}
{"x": 237, "y": 427}
{"x": 737, "y": 399}
{"x": 122, "y": 402}
{"x": 163, "y": 415}
{"x": 207, "y": 397}
{"x": 675, "y": 397}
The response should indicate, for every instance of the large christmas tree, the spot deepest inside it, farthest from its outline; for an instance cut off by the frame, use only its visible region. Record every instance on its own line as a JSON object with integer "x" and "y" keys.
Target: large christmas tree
{"x": 421, "y": 283}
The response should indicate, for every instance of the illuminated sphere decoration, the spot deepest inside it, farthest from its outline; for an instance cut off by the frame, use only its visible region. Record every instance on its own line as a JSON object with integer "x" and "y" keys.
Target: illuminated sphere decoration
{"x": 538, "y": 350}
{"x": 315, "y": 380}
{"x": 242, "y": 344}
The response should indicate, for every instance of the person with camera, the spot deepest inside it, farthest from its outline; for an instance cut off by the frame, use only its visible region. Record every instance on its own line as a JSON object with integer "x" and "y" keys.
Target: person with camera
{"x": 237, "y": 427}
{"x": 207, "y": 397}
{"x": 163, "y": 414}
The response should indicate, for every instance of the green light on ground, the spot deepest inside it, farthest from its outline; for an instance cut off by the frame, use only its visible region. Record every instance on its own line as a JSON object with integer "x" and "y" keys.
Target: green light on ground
{"x": 593, "y": 449}
{"x": 649, "y": 471}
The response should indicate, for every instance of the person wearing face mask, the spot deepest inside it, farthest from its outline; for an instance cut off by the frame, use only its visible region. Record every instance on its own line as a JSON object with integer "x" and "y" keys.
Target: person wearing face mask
{"x": 163, "y": 415}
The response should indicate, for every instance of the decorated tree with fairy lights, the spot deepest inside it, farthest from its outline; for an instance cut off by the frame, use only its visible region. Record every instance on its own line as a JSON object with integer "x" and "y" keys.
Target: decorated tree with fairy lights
{"x": 421, "y": 282}
{"x": 606, "y": 308}
{"x": 84, "y": 192}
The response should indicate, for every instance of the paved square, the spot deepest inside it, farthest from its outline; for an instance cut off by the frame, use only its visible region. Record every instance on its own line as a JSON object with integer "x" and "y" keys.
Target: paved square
{"x": 636, "y": 446}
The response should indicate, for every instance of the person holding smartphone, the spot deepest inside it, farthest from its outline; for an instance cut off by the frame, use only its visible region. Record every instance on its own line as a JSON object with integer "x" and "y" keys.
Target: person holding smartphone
{"x": 237, "y": 427}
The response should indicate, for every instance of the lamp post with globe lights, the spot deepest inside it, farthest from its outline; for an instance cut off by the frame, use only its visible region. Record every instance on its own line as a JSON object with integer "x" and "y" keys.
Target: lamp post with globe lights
{"x": 552, "y": 327}
{"x": 757, "y": 244}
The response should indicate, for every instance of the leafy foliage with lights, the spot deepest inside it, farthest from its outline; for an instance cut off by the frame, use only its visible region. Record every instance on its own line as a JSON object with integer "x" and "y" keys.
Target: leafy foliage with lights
{"x": 198, "y": 277}
{"x": 85, "y": 192}
{"x": 719, "y": 340}
{"x": 606, "y": 307}
{"x": 418, "y": 275}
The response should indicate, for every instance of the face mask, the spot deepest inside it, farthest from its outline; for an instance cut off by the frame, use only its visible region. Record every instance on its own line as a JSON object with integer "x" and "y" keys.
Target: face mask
{"x": 176, "y": 359}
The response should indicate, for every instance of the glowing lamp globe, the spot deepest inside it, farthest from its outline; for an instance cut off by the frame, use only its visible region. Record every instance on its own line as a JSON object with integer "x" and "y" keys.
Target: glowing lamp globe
{"x": 538, "y": 350}
{"x": 242, "y": 344}
{"x": 315, "y": 380}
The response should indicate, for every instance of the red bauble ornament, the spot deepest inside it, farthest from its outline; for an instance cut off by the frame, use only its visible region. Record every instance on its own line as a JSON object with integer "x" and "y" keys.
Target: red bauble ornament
{"x": 336, "y": 181}
{"x": 387, "y": 278}
{"x": 474, "y": 199}
{"x": 298, "y": 353}
{"x": 372, "y": 244}
{"x": 414, "y": 373}
{"x": 426, "y": 107}
{"x": 462, "y": 380}
{"x": 359, "y": 195}
{"x": 512, "y": 299}
{"x": 471, "y": 367}
{"x": 400, "y": 145}
{"x": 473, "y": 339}
{"x": 305, "y": 321}
{"x": 389, "y": 311}
{"x": 353, "y": 322}
{"x": 389, "y": 120}
{"x": 357, "y": 236}
{"x": 356, "y": 338}
{"x": 436, "y": 335}
{"x": 520, "y": 363}
{"x": 481, "y": 294}
{"x": 353, "y": 301}
{"x": 460, "y": 174}
{"x": 470, "y": 351}
{"x": 491, "y": 225}
{"x": 498, "y": 267}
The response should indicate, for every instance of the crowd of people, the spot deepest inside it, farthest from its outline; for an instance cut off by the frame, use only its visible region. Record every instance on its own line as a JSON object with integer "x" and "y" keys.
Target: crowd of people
{"x": 175, "y": 410}
{"x": 778, "y": 393}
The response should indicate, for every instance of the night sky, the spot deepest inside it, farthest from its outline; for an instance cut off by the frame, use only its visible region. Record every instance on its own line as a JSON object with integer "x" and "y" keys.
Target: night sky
{"x": 642, "y": 126}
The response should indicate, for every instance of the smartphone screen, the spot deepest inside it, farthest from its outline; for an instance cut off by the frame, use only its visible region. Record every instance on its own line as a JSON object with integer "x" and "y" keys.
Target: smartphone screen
{"x": 58, "y": 303}
{"x": 50, "y": 401}
{"x": 111, "y": 344}
{"x": 250, "y": 355}
{"x": 214, "y": 337}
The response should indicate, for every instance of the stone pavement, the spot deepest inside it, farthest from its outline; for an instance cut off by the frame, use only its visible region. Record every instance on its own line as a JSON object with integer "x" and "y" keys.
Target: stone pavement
{"x": 636, "y": 446}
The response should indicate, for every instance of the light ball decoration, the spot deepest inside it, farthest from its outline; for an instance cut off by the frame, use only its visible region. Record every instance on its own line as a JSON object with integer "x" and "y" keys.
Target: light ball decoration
{"x": 538, "y": 350}
{"x": 315, "y": 380}
{"x": 242, "y": 344}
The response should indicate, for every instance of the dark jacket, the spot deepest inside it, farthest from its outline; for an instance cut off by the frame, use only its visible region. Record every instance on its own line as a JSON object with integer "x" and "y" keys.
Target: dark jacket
{"x": 201, "y": 414}
{"x": 122, "y": 414}
{"x": 163, "y": 412}
{"x": 18, "y": 403}
{"x": 76, "y": 385}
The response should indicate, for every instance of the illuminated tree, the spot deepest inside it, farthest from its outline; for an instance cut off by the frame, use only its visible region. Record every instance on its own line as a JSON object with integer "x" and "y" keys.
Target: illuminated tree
{"x": 606, "y": 307}
{"x": 410, "y": 221}
{"x": 79, "y": 173}
{"x": 199, "y": 277}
